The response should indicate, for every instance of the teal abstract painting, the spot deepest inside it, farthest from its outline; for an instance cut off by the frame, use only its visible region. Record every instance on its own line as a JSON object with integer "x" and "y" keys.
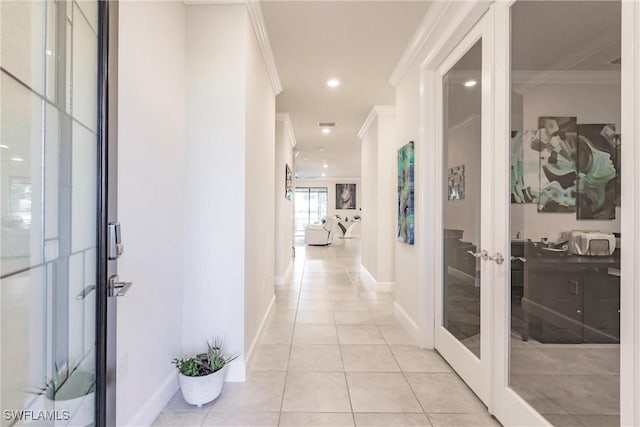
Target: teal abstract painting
{"x": 406, "y": 183}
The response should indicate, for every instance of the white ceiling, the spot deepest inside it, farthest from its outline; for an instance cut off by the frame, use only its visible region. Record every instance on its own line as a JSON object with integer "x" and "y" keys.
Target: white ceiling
{"x": 357, "y": 42}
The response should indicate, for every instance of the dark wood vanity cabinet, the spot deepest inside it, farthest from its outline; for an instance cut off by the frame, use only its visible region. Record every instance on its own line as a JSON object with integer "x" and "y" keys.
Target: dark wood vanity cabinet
{"x": 572, "y": 299}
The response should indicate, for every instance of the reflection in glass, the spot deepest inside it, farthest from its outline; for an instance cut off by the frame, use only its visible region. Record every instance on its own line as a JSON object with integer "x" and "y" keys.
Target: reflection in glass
{"x": 461, "y": 216}
{"x": 565, "y": 209}
{"x": 48, "y": 180}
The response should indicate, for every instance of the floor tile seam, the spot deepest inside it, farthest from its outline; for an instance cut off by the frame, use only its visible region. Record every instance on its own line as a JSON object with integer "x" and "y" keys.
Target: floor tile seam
{"x": 404, "y": 375}
{"x": 346, "y": 381}
{"x": 286, "y": 372}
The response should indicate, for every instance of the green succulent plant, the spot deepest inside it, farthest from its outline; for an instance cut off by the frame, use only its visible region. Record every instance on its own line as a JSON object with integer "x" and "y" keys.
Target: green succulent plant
{"x": 205, "y": 363}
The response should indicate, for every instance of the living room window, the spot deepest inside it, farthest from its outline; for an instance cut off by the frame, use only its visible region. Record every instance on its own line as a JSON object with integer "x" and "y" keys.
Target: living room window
{"x": 310, "y": 207}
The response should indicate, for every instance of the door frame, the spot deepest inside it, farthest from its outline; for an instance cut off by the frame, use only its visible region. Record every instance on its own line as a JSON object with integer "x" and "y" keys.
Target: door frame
{"x": 106, "y": 307}
{"x": 477, "y": 372}
{"x": 449, "y": 28}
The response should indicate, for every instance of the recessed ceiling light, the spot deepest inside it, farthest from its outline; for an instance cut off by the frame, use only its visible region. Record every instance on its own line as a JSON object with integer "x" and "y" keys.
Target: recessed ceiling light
{"x": 17, "y": 159}
{"x": 333, "y": 82}
{"x": 321, "y": 149}
{"x": 324, "y": 174}
{"x": 326, "y": 131}
{"x": 470, "y": 83}
{"x": 325, "y": 166}
{"x": 4, "y": 146}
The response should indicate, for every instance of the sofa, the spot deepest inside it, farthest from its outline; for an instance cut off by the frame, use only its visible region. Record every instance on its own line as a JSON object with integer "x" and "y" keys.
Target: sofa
{"x": 321, "y": 234}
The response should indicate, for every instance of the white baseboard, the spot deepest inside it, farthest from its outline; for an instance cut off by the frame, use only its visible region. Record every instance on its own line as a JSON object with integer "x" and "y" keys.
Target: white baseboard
{"x": 150, "y": 410}
{"x": 251, "y": 354}
{"x": 406, "y": 321}
{"x": 373, "y": 284}
{"x": 281, "y": 280}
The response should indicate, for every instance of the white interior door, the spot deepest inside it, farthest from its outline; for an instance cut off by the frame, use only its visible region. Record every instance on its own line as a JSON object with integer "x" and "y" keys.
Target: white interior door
{"x": 465, "y": 221}
{"x": 558, "y": 126}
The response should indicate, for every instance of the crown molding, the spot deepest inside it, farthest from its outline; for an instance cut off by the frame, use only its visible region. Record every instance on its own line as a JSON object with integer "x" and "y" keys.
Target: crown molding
{"x": 376, "y": 111}
{"x": 260, "y": 29}
{"x": 286, "y": 121}
{"x": 429, "y": 23}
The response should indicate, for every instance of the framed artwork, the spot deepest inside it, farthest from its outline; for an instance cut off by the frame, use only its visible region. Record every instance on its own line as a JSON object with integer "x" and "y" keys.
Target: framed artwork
{"x": 598, "y": 147}
{"x": 345, "y": 196}
{"x": 525, "y": 180}
{"x": 288, "y": 182}
{"x": 406, "y": 183}
{"x": 557, "y": 145}
{"x": 456, "y": 183}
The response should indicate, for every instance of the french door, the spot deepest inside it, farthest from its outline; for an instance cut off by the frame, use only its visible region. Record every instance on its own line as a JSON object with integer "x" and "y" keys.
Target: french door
{"x": 528, "y": 151}
{"x": 464, "y": 265}
{"x": 58, "y": 170}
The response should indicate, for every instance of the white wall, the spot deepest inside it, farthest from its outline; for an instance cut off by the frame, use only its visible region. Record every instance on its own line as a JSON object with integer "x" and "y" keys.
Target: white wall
{"x": 150, "y": 185}
{"x": 229, "y": 184}
{"x": 406, "y": 256}
{"x": 259, "y": 191}
{"x": 215, "y": 186}
{"x": 590, "y": 103}
{"x": 369, "y": 197}
{"x": 379, "y": 194}
{"x": 330, "y": 184}
{"x": 284, "y": 207}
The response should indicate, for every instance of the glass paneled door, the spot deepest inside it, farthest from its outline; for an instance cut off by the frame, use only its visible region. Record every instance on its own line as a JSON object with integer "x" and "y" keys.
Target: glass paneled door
{"x": 561, "y": 143}
{"x": 463, "y": 300}
{"x": 310, "y": 207}
{"x": 52, "y": 169}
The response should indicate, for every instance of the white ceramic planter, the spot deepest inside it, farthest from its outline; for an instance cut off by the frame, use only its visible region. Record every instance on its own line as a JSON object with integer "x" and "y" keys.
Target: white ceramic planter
{"x": 201, "y": 390}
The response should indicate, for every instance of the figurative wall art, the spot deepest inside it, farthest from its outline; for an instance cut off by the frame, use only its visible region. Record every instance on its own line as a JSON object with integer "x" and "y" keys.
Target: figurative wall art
{"x": 288, "y": 182}
{"x": 525, "y": 159}
{"x": 557, "y": 144}
{"x": 597, "y": 174}
{"x": 345, "y": 196}
{"x": 456, "y": 183}
{"x": 406, "y": 225}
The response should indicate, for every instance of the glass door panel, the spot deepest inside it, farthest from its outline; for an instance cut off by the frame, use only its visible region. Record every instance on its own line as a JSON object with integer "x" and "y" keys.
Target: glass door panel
{"x": 463, "y": 314}
{"x": 564, "y": 280}
{"x": 462, "y": 164}
{"x": 310, "y": 207}
{"x": 48, "y": 180}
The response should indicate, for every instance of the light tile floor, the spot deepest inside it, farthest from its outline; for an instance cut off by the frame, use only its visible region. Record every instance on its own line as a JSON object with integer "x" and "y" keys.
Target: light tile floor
{"x": 333, "y": 355}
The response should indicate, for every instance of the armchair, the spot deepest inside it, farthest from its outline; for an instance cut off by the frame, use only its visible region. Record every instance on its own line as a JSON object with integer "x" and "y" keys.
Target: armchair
{"x": 320, "y": 234}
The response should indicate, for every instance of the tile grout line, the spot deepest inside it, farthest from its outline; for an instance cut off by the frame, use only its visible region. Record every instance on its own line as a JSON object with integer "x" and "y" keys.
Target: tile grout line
{"x": 293, "y": 331}
{"x": 344, "y": 369}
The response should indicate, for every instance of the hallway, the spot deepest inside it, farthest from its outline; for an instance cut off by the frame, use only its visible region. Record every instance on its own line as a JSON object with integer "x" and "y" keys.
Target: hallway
{"x": 332, "y": 354}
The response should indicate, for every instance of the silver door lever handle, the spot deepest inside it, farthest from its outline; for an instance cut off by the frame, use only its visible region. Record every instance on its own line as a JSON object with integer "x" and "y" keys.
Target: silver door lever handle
{"x": 498, "y": 258}
{"x": 118, "y": 288}
{"x": 484, "y": 255}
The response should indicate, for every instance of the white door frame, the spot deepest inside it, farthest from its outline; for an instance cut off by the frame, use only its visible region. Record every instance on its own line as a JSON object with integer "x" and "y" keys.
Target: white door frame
{"x": 630, "y": 215}
{"x": 453, "y": 25}
{"x": 510, "y": 408}
{"x": 477, "y": 373}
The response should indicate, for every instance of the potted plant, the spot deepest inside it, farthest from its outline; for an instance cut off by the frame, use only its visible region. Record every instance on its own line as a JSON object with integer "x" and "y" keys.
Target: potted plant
{"x": 71, "y": 391}
{"x": 201, "y": 376}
